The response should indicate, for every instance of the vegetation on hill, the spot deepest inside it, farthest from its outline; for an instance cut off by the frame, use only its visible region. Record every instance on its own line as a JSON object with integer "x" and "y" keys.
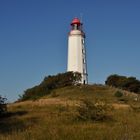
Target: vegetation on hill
{"x": 3, "y": 106}
{"x": 93, "y": 110}
{"x": 51, "y": 82}
{"x": 127, "y": 83}
{"x": 76, "y": 113}
{"x": 71, "y": 111}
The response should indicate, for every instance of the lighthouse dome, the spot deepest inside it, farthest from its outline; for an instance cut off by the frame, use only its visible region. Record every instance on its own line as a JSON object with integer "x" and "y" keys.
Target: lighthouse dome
{"x": 75, "y": 21}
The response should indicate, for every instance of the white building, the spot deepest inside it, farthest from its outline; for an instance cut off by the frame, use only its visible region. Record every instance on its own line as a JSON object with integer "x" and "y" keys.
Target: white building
{"x": 76, "y": 50}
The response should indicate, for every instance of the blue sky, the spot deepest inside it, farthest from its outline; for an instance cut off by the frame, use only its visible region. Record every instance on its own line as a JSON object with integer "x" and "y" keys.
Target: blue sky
{"x": 33, "y": 40}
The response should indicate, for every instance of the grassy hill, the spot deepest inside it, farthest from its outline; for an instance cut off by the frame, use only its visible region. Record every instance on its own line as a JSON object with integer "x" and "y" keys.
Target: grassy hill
{"x": 54, "y": 117}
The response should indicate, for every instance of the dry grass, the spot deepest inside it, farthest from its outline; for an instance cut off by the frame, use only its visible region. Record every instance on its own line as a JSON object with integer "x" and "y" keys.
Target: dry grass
{"x": 121, "y": 106}
{"x": 53, "y": 118}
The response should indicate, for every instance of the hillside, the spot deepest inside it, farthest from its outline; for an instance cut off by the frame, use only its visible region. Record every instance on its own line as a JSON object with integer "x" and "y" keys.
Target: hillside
{"x": 54, "y": 117}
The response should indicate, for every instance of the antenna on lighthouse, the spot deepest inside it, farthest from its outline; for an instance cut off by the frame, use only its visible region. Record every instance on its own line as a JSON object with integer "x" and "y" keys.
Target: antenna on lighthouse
{"x": 81, "y": 17}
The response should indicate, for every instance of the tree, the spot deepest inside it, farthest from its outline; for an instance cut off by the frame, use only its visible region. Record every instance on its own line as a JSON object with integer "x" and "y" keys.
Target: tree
{"x": 52, "y": 82}
{"x": 3, "y": 107}
{"x": 116, "y": 80}
{"x": 123, "y": 82}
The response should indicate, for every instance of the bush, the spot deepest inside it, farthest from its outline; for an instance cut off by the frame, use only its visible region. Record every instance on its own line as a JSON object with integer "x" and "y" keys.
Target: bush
{"x": 50, "y": 83}
{"x": 118, "y": 94}
{"x": 127, "y": 83}
{"x": 95, "y": 111}
{"x": 3, "y": 107}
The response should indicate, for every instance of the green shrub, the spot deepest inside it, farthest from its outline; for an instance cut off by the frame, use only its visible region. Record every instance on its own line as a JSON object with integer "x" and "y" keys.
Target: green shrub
{"x": 127, "y": 83}
{"x": 50, "y": 83}
{"x": 118, "y": 94}
{"x": 95, "y": 111}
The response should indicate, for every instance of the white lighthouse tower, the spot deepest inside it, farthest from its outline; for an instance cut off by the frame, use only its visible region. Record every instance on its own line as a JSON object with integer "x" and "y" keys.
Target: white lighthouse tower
{"x": 77, "y": 51}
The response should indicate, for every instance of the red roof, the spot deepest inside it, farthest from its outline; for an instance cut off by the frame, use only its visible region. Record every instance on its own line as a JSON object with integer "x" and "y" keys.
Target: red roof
{"x": 75, "y": 21}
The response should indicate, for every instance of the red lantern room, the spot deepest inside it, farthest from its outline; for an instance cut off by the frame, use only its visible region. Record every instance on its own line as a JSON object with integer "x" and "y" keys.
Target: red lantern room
{"x": 76, "y": 24}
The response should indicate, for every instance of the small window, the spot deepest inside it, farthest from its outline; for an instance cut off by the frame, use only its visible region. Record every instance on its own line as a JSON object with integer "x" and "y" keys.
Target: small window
{"x": 83, "y": 51}
{"x": 84, "y": 61}
{"x": 82, "y": 41}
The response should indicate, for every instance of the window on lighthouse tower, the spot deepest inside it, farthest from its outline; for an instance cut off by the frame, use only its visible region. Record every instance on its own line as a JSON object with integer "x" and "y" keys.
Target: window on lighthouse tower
{"x": 75, "y": 27}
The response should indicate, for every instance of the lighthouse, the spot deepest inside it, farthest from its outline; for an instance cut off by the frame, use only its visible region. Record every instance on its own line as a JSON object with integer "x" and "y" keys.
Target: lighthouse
{"x": 76, "y": 50}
